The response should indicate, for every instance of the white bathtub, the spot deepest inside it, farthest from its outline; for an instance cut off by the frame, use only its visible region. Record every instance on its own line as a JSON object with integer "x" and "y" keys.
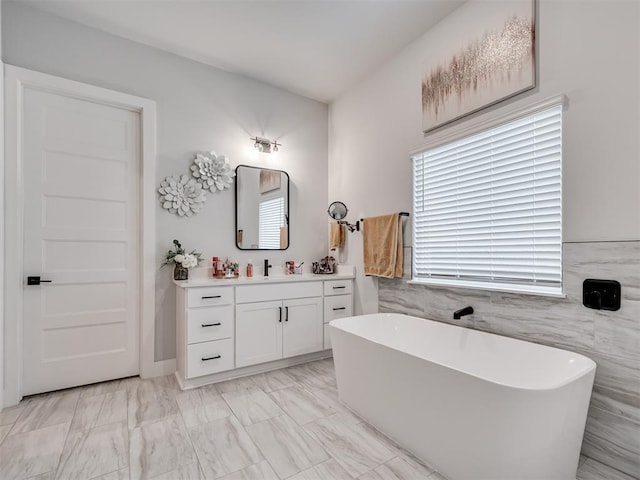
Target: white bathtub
{"x": 476, "y": 406}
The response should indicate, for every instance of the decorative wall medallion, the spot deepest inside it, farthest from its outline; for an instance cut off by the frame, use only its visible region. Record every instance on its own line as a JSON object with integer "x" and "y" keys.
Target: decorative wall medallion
{"x": 482, "y": 65}
{"x": 181, "y": 195}
{"x": 212, "y": 171}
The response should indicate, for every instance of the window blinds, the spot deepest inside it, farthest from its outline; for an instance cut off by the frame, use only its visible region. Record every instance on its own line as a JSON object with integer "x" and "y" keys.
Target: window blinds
{"x": 488, "y": 207}
{"x": 270, "y": 221}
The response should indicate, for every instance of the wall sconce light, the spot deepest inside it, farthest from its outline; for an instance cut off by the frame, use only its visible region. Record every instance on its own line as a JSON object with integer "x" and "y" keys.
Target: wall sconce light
{"x": 265, "y": 145}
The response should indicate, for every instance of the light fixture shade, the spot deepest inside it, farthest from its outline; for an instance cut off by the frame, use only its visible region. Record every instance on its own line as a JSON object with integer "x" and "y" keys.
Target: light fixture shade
{"x": 264, "y": 145}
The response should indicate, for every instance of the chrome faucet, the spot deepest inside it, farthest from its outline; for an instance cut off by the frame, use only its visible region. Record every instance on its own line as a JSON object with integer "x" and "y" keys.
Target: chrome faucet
{"x": 266, "y": 267}
{"x": 462, "y": 312}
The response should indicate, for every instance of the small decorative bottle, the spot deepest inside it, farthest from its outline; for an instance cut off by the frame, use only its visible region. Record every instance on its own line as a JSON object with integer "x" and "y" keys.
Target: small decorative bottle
{"x": 214, "y": 266}
{"x": 219, "y": 268}
{"x": 250, "y": 269}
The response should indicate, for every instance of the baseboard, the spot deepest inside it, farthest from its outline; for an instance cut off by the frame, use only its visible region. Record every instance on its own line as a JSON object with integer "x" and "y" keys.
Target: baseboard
{"x": 187, "y": 384}
{"x": 161, "y": 368}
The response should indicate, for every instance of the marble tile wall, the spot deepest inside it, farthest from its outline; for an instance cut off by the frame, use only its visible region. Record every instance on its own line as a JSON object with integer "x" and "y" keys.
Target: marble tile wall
{"x": 611, "y": 339}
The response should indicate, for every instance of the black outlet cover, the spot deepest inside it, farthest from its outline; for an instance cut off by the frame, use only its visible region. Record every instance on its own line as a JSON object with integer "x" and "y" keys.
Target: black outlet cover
{"x": 601, "y": 294}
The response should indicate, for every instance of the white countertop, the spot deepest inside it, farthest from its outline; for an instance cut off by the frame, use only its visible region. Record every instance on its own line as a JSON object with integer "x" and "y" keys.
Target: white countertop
{"x": 201, "y": 281}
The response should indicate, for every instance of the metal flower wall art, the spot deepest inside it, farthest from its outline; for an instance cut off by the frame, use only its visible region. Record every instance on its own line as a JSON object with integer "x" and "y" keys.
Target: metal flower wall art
{"x": 181, "y": 195}
{"x": 212, "y": 171}
{"x": 185, "y": 196}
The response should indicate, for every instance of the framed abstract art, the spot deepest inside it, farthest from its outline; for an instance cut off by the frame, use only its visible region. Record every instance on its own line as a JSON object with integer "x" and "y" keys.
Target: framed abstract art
{"x": 490, "y": 58}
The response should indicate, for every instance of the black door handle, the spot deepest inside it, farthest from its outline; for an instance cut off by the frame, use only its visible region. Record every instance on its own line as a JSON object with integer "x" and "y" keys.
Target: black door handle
{"x": 286, "y": 314}
{"x": 217, "y": 324}
{"x": 280, "y": 315}
{"x": 339, "y": 308}
{"x": 36, "y": 281}
{"x": 211, "y": 296}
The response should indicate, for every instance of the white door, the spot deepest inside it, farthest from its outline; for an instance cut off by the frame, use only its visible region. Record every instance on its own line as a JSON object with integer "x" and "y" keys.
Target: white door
{"x": 303, "y": 326}
{"x": 81, "y": 164}
{"x": 258, "y": 333}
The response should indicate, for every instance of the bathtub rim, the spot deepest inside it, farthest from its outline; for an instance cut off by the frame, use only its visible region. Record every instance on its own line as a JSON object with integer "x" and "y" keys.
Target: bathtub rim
{"x": 585, "y": 372}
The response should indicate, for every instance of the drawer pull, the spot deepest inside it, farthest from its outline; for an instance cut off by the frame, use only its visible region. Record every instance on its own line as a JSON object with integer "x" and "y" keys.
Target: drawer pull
{"x": 336, "y": 288}
{"x": 211, "y": 296}
{"x": 204, "y": 359}
{"x": 211, "y": 324}
{"x": 339, "y": 308}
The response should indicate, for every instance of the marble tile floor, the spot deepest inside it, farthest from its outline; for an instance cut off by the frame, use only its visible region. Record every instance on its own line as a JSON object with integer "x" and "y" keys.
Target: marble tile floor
{"x": 286, "y": 424}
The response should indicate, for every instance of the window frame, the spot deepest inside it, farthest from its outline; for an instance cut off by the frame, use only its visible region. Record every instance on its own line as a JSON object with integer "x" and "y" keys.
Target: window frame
{"x": 470, "y": 128}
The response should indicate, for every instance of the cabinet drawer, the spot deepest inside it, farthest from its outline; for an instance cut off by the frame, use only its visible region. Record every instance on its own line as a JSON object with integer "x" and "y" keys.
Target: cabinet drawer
{"x": 277, "y": 291}
{"x": 337, "y": 306}
{"x": 206, "y": 324}
{"x": 209, "y": 357}
{"x": 327, "y": 337}
{"x": 209, "y": 296}
{"x": 338, "y": 287}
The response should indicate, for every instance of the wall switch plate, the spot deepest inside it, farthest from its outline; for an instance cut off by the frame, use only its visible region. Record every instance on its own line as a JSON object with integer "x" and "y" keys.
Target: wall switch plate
{"x": 601, "y": 294}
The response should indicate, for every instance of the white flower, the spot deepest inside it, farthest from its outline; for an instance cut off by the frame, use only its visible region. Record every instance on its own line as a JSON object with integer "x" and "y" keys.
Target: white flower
{"x": 181, "y": 195}
{"x": 179, "y": 258}
{"x": 189, "y": 261}
{"x": 212, "y": 171}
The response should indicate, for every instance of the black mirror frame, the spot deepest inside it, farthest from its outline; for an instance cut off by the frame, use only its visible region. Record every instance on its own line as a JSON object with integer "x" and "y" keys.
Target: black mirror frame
{"x": 346, "y": 210}
{"x": 287, "y": 216}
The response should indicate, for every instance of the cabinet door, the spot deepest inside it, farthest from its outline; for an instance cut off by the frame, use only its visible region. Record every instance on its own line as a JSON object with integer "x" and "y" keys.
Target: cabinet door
{"x": 258, "y": 333}
{"x": 302, "y": 326}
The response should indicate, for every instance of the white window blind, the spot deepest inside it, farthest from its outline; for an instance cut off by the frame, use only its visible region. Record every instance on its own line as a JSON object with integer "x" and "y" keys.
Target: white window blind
{"x": 488, "y": 207}
{"x": 270, "y": 220}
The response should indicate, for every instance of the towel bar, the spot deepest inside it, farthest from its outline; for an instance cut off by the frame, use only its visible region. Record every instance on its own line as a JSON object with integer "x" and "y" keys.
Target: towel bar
{"x": 355, "y": 227}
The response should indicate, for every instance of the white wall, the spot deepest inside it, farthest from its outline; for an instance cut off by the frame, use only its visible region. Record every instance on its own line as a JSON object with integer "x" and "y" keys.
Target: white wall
{"x": 199, "y": 108}
{"x": 587, "y": 50}
{"x": 1, "y": 217}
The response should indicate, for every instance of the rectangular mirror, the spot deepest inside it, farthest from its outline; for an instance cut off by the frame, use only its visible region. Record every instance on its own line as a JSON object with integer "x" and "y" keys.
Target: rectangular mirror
{"x": 262, "y": 208}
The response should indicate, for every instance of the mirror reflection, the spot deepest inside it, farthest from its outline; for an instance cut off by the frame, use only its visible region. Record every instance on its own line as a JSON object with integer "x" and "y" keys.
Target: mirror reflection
{"x": 337, "y": 210}
{"x": 262, "y": 208}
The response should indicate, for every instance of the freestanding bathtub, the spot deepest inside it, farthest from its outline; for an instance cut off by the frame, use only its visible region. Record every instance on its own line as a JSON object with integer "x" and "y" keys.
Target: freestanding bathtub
{"x": 474, "y": 405}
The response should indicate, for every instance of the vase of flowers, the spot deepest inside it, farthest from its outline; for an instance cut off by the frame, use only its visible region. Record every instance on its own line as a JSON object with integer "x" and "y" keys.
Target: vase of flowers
{"x": 181, "y": 260}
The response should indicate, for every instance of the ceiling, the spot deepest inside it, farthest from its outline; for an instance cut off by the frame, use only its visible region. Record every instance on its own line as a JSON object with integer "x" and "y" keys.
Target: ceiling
{"x": 316, "y": 48}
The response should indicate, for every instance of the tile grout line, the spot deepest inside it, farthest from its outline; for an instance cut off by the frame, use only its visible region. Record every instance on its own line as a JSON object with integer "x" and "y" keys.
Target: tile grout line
{"x": 233, "y": 414}
{"x": 128, "y": 430}
{"x": 193, "y": 446}
{"x": 19, "y": 416}
{"x": 66, "y": 438}
{"x": 592, "y": 460}
{"x": 284, "y": 413}
{"x": 258, "y": 446}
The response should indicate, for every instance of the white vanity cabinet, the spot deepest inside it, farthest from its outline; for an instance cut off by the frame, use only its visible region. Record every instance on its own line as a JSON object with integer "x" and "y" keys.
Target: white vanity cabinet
{"x": 338, "y": 303}
{"x": 205, "y": 331}
{"x": 289, "y": 323}
{"x": 231, "y": 328}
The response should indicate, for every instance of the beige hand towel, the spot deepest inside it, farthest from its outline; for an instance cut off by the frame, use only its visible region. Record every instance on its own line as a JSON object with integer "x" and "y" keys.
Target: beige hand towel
{"x": 337, "y": 235}
{"x": 284, "y": 238}
{"x": 382, "y": 245}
